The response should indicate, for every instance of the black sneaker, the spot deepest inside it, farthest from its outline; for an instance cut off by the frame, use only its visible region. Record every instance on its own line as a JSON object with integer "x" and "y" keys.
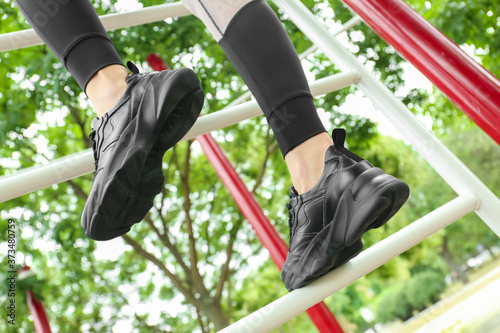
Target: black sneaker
{"x": 327, "y": 222}
{"x": 129, "y": 142}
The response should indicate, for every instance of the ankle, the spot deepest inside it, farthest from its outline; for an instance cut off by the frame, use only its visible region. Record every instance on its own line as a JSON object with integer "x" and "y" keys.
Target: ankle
{"x": 306, "y": 162}
{"x": 106, "y": 87}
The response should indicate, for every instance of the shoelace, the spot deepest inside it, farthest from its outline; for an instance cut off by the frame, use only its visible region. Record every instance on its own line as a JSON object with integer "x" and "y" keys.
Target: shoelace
{"x": 94, "y": 147}
{"x": 290, "y": 215}
{"x": 133, "y": 68}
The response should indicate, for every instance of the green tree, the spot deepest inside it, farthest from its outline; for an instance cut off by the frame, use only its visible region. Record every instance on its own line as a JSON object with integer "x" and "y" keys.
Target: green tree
{"x": 195, "y": 243}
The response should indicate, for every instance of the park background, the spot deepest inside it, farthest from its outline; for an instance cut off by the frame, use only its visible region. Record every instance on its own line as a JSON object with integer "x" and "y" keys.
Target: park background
{"x": 194, "y": 264}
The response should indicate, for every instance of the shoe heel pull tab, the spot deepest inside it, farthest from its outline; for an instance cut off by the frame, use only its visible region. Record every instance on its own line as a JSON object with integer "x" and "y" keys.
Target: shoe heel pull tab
{"x": 338, "y": 136}
{"x": 133, "y": 68}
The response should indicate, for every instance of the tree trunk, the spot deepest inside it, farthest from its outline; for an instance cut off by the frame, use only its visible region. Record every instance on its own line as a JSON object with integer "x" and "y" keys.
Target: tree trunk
{"x": 213, "y": 311}
{"x": 448, "y": 257}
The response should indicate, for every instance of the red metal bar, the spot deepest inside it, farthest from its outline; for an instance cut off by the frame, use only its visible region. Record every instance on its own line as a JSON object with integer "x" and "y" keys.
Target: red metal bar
{"x": 156, "y": 63}
{"x": 472, "y": 88}
{"x": 37, "y": 310}
{"x": 320, "y": 315}
{"x": 40, "y": 319}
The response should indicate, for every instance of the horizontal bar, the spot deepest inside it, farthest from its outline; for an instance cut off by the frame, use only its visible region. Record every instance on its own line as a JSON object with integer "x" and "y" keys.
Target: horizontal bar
{"x": 285, "y": 308}
{"x": 25, "y": 38}
{"x": 355, "y": 20}
{"x": 42, "y": 176}
{"x": 236, "y": 114}
{"x": 76, "y": 165}
{"x": 345, "y": 27}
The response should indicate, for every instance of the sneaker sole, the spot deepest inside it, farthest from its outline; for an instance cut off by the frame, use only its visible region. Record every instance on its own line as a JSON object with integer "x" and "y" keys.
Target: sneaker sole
{"x": 368, "y": 203}
{"x": 129, "y": 194}
{"x": 179, "y": 122}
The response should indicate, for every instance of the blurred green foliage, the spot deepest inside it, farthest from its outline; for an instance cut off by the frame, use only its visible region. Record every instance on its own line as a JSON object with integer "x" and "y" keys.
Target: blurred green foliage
{"x": 44, "y": 115}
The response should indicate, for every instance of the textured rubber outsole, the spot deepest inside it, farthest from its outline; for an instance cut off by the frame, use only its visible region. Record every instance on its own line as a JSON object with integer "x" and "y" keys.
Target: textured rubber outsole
{"x": 179, "y": 122}
{"x": 128, "y": 195}
{"x": 368, "y": 203}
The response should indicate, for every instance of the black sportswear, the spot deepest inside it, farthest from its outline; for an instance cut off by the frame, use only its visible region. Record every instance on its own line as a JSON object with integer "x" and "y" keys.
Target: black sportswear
{"x": 327, "y": 222}
{"x": 73, "y": 32}
{"x": 261, "y": 51}
{"x": 129, "y": 142}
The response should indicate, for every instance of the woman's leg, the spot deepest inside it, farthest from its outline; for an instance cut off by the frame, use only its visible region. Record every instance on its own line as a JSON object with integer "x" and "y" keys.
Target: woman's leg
{"x": 337, "y": 196}
{"x": 140, "y": 116}
{"x": 106, "y": 87}
{"x": 258, "y": 46}
{"x": 74, "y": 33}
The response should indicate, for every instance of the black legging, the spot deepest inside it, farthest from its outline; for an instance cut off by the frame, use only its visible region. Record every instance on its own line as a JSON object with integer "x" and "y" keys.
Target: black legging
{"x": 254, "y": 41}
{"x": 74, "y": 33}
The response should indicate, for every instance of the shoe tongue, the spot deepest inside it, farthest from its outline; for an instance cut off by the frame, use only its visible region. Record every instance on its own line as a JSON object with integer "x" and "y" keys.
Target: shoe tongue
{"x": 292, "y": 192}
{"x": 338, "y": 136}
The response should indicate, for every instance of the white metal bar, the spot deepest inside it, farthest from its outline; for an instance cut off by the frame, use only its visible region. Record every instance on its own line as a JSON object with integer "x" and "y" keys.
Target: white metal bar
{"x": 76, "y": 165}
{"x": 42, "y": 176}
{"x": 24, "y": 38}
{"x": 451, "y": 169}
{"x": 283, "y": 309}
{"x": 352, "y": 23}
{"x": 347, "y": 26}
